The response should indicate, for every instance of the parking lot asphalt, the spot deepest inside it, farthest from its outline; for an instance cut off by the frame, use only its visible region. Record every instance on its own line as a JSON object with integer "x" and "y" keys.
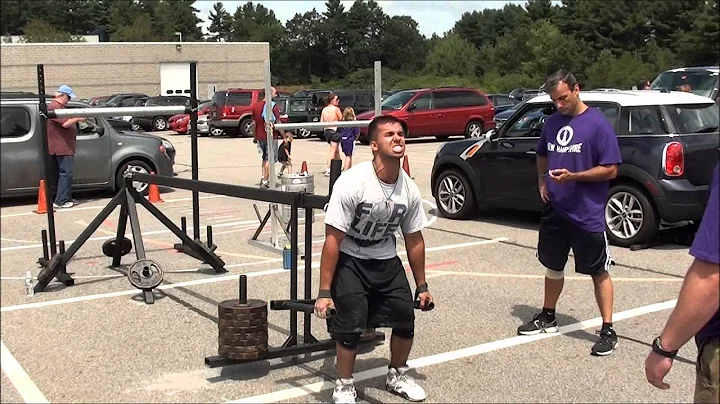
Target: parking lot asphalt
{"x": 97, "y": 341}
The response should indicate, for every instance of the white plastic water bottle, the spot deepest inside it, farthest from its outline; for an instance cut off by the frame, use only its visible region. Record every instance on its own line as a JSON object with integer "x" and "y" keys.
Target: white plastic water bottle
{"x": 29, "y": 287}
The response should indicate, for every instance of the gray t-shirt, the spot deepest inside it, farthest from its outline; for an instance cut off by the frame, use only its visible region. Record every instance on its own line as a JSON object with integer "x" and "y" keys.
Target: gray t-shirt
{"x": 359, "y": 207}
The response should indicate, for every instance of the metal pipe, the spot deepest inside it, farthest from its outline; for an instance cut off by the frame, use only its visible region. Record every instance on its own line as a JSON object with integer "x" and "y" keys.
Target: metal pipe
{"x": 194, "y": 148}
{"x": 322, "y": 125}
{"x": 48, "y": 161}
{"x": 378, "y": 87}
{"x": 243, "y": 289}
{"x": 271, "y": 149}
{"x": 119, "y": 111}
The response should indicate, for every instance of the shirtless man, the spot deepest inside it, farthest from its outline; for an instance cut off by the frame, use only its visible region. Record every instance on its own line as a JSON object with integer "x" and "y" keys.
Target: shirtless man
{"x": 332, "y": 113}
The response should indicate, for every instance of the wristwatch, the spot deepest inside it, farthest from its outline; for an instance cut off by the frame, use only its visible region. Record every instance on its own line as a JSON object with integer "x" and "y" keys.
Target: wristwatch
{"x": 658, "y": 349}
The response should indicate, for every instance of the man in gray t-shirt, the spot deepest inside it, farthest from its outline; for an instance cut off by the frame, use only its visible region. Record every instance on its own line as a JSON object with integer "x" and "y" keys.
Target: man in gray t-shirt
{"x": 361, "y": 275}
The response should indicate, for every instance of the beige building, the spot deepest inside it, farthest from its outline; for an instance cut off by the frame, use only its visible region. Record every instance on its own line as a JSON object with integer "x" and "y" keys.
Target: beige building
{"x": 103, "y": 68}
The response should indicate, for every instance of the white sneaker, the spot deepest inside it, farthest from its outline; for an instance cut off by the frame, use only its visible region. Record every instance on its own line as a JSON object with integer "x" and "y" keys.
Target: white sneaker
{"x": 344, "y": 391}
{"x": 66, "y": 205}
{"x": 400, "y": 383}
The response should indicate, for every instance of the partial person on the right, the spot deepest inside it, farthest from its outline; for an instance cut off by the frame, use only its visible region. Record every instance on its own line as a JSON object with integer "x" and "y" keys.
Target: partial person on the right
{"x": 697, "y": 312}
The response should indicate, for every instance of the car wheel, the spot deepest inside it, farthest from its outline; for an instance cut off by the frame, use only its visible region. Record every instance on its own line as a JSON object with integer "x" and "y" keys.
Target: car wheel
{"x": 630, "y": 217}
{"x": 474, "y": 129}
{"x": 160, "y": 123}
{"x": 303, "y": 133}
{"x": 135, "y": 127}
{"x": 216, "y": 131}
{"x": 454, "y": 195}
{"x": 137, "y": 166}
{"x": 246, "y": 127}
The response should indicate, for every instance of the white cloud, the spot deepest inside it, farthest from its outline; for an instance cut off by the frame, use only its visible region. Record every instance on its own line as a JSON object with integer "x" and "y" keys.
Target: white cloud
{"x": 432, "y": 16}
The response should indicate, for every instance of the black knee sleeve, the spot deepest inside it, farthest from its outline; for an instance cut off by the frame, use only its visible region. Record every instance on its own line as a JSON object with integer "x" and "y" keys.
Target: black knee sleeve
{"x": 404, "y": 333}
{"x": 349, "y": 341}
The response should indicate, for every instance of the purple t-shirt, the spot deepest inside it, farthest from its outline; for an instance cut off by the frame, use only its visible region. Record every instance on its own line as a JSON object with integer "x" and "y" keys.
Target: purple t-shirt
{"x": 579, "y": 143}
{"x": 706, "y": 247}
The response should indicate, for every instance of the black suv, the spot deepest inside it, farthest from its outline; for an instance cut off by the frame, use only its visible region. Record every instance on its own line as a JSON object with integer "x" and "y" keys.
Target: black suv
{"x": 669, "y": 144}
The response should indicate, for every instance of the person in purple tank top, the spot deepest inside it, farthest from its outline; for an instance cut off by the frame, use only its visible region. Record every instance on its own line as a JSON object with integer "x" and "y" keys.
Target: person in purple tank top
{"x": 577, "y": 155}
{"x": 697, "y": 312}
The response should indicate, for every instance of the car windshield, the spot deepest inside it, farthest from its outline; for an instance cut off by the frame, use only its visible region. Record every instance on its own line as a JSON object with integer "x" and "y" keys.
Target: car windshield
{"x": 699, "y": 82}
{"x": 695, "y": 118}
{"x": 397, "y": 100}
{"x": 114, "y": 101}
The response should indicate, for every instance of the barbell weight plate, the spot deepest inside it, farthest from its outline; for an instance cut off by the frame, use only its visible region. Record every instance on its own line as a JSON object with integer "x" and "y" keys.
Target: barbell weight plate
{"x": 108, "y": 247}
{"x": 243, "y": 329}
{"x": 145, "y": 274}
{"x": 235, "y": 354}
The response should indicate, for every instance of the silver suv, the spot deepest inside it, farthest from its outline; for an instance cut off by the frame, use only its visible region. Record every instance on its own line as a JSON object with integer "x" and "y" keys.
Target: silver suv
{"x": 103, "y": 152}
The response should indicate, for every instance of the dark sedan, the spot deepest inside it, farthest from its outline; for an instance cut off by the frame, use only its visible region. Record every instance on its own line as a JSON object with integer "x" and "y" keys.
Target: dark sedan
{"x": 669, "y": 146}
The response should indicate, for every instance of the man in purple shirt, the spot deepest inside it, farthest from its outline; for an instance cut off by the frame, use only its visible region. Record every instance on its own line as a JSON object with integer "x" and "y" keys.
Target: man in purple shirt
{"x": 577, "y": 156}
{"x": 697, "y": 312}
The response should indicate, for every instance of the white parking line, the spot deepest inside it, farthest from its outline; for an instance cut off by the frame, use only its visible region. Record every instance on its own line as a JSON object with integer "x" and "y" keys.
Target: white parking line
{"x": 129, "y": 234}
{"x": 218, "y": 278}
{"x": 102, "y": 206}
{"x": 19, "y": 378}
{"x": 294, "y": 393}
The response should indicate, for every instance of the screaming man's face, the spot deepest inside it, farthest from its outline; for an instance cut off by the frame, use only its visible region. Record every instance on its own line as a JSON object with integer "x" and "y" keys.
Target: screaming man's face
{"x": 390, "y": 140}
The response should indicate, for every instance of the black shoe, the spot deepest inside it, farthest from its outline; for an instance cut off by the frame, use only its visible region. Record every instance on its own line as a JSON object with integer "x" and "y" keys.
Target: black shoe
{"x": 537, "y": 325}
{"x": 606, "y": 344}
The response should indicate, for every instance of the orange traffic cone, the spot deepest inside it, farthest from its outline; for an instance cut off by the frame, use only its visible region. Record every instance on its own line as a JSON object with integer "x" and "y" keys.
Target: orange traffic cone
{"x": 154, "y": 193}
{"x": 304, "y": 169}
{"x": 42, "y": 199}
{"x": 406, "y": 166}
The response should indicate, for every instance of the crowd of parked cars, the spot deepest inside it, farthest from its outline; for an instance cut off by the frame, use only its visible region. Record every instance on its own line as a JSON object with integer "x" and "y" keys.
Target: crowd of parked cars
{"x": 668, "y": 137}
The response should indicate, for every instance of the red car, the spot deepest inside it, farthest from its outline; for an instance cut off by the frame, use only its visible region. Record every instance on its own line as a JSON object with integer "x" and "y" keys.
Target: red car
{"x": 181, "y": 123}
{"x": 441, "y": 112}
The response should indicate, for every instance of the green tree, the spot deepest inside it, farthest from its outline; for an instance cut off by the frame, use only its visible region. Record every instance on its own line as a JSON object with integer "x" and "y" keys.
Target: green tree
{"x": 221, "y": 23}
{"x": 141, "y": 30}
{"x": 453, "y": 56}
{"x": 43, "y": 31}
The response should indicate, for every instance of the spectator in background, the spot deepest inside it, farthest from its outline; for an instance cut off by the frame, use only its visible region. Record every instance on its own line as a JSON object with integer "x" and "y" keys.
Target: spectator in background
{"x": 348, "y": 136}
{"x": 331, "y": 113}
{"x": 62, "y": 139}
{"x": 284, "y": 153}
{"x": 643, "y": 85}
{"x": 258, "y": 116}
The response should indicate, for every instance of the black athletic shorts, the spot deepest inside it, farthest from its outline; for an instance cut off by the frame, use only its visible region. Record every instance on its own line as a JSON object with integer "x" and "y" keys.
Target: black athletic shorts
{"x": 370, "y": 293}
{"x": 559, "y": 234}
{"x": 332, "y": 135}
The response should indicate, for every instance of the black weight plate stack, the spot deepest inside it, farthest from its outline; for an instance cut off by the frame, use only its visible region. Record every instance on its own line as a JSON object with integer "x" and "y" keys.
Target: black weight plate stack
{"x": 243, "y": 330}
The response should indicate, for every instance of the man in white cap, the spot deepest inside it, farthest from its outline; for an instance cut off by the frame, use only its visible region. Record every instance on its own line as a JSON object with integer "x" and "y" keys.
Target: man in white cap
{"x": 61, "y": 138}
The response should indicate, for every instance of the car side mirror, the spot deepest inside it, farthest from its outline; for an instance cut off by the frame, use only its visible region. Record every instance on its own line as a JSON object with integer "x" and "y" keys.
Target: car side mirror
{"x": 412, "y": 107}
{"x": 99, "y": 129}
{"x": 491, "y": 135}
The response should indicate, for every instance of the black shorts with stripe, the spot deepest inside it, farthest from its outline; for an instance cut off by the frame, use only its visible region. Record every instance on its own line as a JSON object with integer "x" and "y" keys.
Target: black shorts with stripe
{"x": 370, "y": 293}
{"x": 559, "y": 234}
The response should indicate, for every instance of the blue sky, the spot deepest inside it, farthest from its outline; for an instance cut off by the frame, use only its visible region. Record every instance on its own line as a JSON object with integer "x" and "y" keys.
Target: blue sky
{"x": 432, "y": 16}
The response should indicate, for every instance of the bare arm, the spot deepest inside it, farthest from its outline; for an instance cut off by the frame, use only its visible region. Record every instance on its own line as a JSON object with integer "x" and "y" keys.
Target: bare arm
{"x": 698, "y": 302}
{"x": 330, "y": 255}
{"x": 595, "y": 174}
{"x": 415, "y": 247}
{"x": 541, "y": 168}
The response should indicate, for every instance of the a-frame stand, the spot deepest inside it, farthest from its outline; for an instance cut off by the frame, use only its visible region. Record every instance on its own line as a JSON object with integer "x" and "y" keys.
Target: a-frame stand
{"x": 126, "y": 198}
